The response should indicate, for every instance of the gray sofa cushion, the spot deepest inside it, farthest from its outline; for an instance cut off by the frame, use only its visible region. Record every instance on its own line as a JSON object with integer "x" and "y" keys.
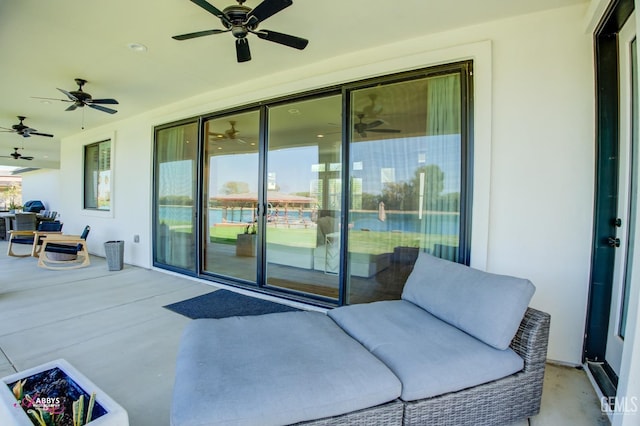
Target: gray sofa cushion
{"x": 429, "y": 356}
{"x": 487, "y": 306}
{"x": 274, "y": 369}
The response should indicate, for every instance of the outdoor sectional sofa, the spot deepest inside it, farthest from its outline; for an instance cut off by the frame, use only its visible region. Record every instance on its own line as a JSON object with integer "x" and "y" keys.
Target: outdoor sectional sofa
{"x": 461, "y": 347}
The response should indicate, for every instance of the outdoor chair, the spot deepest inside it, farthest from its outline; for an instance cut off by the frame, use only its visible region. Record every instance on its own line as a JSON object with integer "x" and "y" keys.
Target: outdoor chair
{"x": 64, "y": 251}
{"x": 32, "y": 238}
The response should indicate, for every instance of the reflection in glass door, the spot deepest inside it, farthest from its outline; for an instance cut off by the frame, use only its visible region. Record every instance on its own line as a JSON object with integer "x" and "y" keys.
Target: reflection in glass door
{"x": 175, "y": 189}
{"x": 231, "y": 170}
{"x": 405, "y": 181}
{"x": 303, "y": 196}
{"x": 327, "y": 196}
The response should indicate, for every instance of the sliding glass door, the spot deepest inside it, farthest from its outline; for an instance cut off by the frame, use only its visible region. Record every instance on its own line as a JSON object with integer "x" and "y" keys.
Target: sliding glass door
{"x": 405, "y": 181}
{"x": 303, "y": 196}
{"x": 230, "y": 221}
{"x": 327, "y": 196}
{"x": 175, "y": 195}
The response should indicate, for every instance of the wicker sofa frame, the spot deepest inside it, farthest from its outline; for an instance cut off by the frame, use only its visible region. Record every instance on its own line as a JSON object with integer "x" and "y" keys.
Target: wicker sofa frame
{"x": 500, "y": 402}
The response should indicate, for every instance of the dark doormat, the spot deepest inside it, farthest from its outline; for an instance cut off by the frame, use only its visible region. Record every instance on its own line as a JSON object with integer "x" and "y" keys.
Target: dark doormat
{"x": 224, "y": 303}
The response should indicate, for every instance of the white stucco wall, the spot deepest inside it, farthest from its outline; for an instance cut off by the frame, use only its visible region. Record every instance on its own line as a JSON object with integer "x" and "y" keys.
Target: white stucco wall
{"x": 534, "y": 153}
{"x": 43, "y": 185}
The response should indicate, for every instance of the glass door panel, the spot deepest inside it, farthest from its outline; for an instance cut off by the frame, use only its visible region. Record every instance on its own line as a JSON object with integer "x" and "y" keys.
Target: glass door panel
{"x": 231, "y": 170}
{"x": 303, "y": 196}
{"x": 627, "y": 195}
{"x": 175, "y": 189}
{"x": 405, "y": 181}
{"x": 633, "y": 190}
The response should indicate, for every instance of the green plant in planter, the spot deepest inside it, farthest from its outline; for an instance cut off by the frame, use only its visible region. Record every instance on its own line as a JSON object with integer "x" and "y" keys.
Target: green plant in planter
{"x": 18, "y": 389}
{"x": 49, "y": 416}
{"x": 79, "y": 418}
{"x": 251, "y": 229}
{"x": 43, "y": 416}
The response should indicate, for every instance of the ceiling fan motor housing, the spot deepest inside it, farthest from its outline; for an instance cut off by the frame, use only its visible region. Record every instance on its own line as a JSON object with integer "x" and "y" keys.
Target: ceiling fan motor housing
{"x": 237, "y": 16}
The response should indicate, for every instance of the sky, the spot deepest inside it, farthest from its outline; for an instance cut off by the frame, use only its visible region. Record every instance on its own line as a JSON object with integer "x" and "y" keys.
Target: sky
{"x": 6, "y": 170}
{"x": 292, "y": 168}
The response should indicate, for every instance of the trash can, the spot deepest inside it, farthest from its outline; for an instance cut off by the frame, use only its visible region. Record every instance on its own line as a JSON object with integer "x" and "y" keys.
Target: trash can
{"x": 114, "y": 251}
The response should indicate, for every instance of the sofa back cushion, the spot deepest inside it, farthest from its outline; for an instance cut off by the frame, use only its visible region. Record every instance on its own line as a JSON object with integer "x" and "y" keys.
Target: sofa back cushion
{"x": 484, "y": 305}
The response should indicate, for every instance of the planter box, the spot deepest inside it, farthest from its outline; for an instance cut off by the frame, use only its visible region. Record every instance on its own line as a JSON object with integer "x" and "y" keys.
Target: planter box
{"x": 246, "y": 245}
{"x": 13, "y": 414}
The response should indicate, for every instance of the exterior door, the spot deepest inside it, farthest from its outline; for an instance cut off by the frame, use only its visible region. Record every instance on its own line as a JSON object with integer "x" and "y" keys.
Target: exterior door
{"x": 627, "y": 194}
{"x": 304, "y": 197}
{"x": 231, "y": 170}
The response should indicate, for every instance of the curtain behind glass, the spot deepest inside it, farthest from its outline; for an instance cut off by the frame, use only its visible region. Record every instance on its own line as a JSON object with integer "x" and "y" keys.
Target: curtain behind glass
{"x": 440, "y": 206}
{"x": 91, "y": 176}
{"x": 175, "y": 195}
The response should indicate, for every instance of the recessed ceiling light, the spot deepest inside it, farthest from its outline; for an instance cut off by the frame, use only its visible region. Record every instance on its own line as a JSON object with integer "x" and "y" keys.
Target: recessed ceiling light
{"x": 294, "y": 111}
{"x": 320, "y": 136}
{"x": 137, "y": 47}
{"x": 45, "y": 102}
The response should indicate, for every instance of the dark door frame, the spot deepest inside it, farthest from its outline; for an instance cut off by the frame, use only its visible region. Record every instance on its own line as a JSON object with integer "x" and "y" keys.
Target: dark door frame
{"x": 606, "y": 181}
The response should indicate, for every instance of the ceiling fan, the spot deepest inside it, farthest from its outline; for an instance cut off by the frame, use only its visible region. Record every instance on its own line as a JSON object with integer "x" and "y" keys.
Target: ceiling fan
{"x": 230, "y": 133}
{"x": 241, "y": 20}
{"x": 80, "y": 98}
{"x": 16, "y": 155}
{"x": 372, "y": 110}
{"x": 362, "y": 128}
{"x": 24, "y": 130}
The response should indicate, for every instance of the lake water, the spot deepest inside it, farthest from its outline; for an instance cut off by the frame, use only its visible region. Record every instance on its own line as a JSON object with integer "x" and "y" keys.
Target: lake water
{"x": 431, "y": 223}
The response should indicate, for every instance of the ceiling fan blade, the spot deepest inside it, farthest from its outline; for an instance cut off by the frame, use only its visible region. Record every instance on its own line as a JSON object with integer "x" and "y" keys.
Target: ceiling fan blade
{"x": 267, "y": 9}
{"x": 101, "y": 108}
{"x": 71, "y": 107}
{"x": 243, "y": 53}
{"x": 211, "y": 9}
{"x": 41, "y": 134}
{"x": 26, "y": 158}
{"x": 52, "y": 99}
{"x": 373, "y": 124}
{"x": 285, "y": 39}
{"x": 103, "y": 101}
{"x": 385, "y": 130}
{"x": 4, "y": 129}
{"x": 198, "y": 34}
{"x": 69, "y": 95}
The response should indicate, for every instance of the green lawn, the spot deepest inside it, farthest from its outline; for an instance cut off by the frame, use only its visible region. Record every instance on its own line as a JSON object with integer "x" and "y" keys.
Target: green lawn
{"x": 373, "y": 242}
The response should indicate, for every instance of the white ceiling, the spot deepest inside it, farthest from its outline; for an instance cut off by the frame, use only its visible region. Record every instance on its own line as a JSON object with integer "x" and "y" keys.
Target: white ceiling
{"x": 46, "y": 44}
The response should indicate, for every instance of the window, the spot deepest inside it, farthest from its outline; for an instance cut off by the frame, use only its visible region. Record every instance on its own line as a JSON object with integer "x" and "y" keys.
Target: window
{"x": 97, "y": 176}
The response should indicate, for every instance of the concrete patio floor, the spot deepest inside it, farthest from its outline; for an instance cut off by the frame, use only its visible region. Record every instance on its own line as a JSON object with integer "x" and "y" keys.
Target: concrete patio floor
{"x": 112, "y": 327}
